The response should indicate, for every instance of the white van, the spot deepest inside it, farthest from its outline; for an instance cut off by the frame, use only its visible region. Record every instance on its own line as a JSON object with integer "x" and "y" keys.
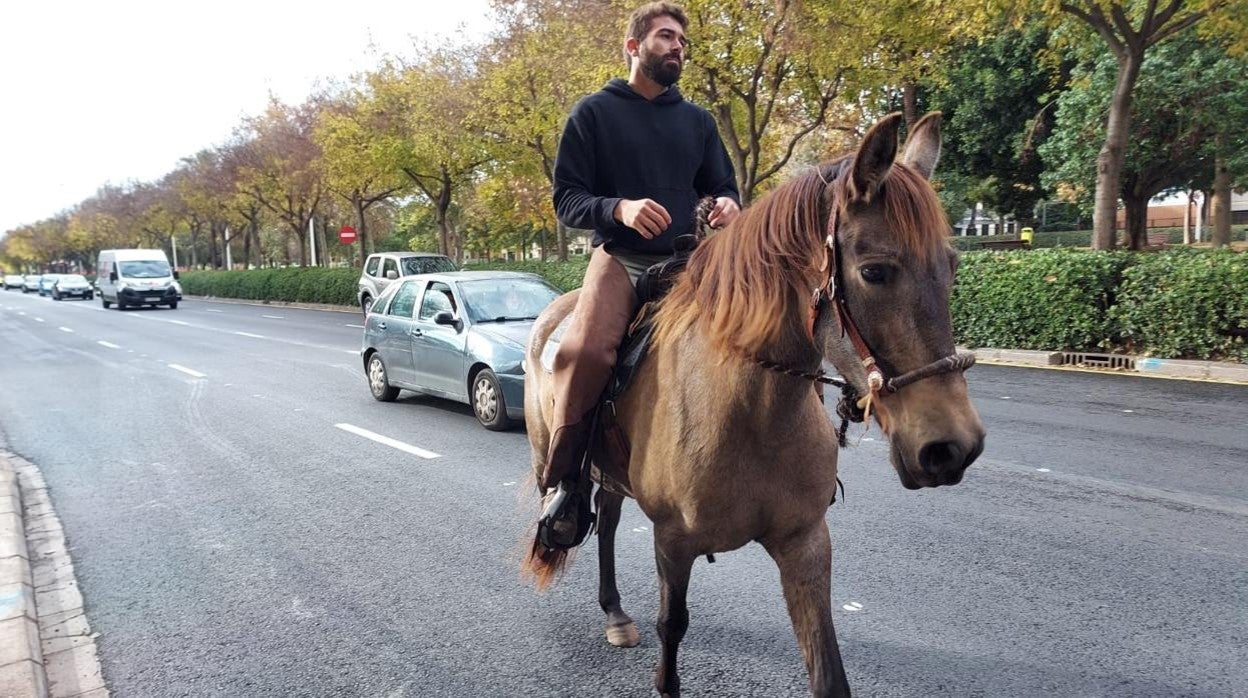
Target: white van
{"x": 136, "y": 277}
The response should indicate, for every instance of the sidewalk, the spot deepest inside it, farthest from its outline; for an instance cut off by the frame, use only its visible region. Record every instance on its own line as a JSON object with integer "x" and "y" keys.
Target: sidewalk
{"x": 47, "y": 648}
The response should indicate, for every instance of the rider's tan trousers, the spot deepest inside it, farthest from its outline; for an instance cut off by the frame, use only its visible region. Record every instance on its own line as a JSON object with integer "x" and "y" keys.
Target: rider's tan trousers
{"x": 584, "y": 361}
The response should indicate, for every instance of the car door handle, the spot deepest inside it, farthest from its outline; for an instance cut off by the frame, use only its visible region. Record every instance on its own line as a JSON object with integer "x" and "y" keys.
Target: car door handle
{"x": 381, "y": 325}
{"x": 417, "y": 333}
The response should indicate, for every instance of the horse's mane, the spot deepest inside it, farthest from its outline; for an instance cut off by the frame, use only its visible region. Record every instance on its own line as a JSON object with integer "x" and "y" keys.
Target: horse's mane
{"x": 743, "y": 283}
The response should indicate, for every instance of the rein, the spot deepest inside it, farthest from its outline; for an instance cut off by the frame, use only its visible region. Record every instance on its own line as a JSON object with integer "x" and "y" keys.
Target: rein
{"x": 853, "y": 407}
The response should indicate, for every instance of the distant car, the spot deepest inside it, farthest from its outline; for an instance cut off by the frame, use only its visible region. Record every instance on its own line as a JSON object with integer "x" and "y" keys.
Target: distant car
{"x": 72, "y": 286}
{"x": 31, "y": 283}
{"x": 383, "y": 268}
{"x": 459, "y": 336}
{"x": 45, "y": 283}
{"x": 13, "y": 281}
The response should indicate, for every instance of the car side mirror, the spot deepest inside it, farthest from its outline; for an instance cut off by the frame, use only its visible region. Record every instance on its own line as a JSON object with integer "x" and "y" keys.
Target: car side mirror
{"x": 175, "y": 273}
{"x": 392, "y": 275}
{"x": 112, "y": 276}
{"x": 446, "y": 318}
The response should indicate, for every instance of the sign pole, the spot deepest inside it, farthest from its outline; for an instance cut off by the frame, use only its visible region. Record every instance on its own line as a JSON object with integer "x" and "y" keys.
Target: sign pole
{"x": 312, "y": 237}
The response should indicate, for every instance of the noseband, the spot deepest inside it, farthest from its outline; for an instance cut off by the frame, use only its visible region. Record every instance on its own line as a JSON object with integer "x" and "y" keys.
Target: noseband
{"x": 832, "y": 292}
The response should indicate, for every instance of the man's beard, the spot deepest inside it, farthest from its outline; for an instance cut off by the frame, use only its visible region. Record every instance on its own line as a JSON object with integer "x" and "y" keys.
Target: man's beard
{"x": 656, "y": 67}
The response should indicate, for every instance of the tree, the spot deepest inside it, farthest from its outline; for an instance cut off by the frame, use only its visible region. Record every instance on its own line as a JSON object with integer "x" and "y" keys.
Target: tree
{"x": 1130, "y": 28}
{"x": 996, "y": 104}
{"x": 1189, "y": 92}
{"x": 361, "y": 163}
{"x": 423, "y": 107}
{"x": 279, "y": 166}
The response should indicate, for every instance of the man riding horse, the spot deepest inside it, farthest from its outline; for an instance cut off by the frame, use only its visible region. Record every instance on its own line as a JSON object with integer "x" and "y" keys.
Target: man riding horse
{"x": 634, "y": 160}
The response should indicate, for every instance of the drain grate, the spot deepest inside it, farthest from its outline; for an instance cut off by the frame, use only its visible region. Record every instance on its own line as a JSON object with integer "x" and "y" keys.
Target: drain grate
{"x": 1074, "y": 358}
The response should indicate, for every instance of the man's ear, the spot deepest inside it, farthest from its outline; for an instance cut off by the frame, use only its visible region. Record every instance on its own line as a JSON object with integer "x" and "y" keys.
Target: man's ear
{"x": 630, "y": 46}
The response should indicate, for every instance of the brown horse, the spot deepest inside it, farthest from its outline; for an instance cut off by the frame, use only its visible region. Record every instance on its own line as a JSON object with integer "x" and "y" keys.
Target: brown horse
{"x": 725, "y": 451}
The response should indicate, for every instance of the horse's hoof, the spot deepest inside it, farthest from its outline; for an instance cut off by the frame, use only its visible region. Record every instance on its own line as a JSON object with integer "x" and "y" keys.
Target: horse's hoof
{"x": 624, "y": 635}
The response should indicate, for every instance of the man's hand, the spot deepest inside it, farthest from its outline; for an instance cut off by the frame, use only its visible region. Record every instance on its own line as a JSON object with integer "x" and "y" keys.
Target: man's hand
{"x": 645, "y": 216}
{"x": 725, "y": 212}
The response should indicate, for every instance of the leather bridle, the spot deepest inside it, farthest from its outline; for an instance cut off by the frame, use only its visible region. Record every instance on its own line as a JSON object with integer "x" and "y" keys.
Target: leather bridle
{"x": 831, "y": 291}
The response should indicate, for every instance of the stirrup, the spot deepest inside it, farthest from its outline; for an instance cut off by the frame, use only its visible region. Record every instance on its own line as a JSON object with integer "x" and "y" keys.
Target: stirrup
{"x": 567, "y": 519}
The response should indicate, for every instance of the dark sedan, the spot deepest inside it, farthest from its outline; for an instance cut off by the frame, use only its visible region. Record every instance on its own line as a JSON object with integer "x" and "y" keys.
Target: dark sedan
{"x": 456, "y": 335}
{"x": 72, "y": 286}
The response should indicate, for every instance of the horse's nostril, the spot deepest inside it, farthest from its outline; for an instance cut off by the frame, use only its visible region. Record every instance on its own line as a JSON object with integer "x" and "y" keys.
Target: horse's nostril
{"x": 940, "y": 457}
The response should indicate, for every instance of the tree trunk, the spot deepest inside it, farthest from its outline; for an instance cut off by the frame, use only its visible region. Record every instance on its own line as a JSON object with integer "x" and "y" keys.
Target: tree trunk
{"x": 362, "y": 233}
{"x": 1221, "y": 203}
{"x": 1136, "y": 219}
{"x": 1113, "y": 152}
{"x": 302, "y": 239}
{"x": 910, "y": 103}
{"x": 561, "y": 236}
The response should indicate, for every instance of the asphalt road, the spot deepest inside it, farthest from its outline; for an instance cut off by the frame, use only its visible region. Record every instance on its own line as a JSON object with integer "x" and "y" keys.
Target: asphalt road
{"x": 231, "y": 540}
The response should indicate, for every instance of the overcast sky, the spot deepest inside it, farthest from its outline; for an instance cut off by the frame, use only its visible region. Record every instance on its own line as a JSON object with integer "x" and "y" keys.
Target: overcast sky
{"x": 118, "y": 90}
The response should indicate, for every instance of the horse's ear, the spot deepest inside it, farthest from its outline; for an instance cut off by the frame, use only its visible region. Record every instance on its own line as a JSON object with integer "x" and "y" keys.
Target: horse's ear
{"x": 923, "y": 146}
{"x": 874, "y": 159}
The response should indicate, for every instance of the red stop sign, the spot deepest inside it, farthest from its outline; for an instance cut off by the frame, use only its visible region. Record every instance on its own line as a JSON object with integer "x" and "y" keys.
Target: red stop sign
{"x": 347, "y": 235}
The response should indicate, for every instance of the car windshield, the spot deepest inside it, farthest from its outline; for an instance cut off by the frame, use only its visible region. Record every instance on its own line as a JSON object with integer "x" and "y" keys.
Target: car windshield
{"x": 145, "y": 269}
{"x": 74, "y": 278}
{"x": 499, "y": 300}
{"x": 426, "y": 265}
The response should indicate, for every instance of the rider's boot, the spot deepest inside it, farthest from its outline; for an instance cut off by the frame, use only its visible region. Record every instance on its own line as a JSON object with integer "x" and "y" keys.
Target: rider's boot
{"x": 582, "y": 368}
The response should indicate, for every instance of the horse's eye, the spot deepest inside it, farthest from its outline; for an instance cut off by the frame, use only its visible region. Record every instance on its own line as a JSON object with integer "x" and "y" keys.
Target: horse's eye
{"x": 874, "y": 274}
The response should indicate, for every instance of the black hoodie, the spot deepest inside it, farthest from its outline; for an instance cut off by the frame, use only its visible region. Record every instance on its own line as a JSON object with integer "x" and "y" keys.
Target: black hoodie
{"x": 619, "y": 145}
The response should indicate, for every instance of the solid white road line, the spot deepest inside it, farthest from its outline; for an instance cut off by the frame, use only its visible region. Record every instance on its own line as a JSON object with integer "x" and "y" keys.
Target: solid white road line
{"x": 248, "y": 334}
{"x": 180, "y": 322}
{"x": 274, "y": 317}
{"x": 110, "y": 345}
{"x": 65, "y": 329}
{"x": 392, "y": 443}
{"x": 213, "y": 310}
{"x": 188, "y": 371}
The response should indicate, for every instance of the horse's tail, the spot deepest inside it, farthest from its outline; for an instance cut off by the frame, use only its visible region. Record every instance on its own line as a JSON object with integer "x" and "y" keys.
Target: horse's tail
{"x": 544, "y": 565}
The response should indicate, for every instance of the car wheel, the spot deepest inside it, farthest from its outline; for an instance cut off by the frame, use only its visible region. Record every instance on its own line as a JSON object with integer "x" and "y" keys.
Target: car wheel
{"x": 487, "y": 401}
{"x": 121, "y": 305}
{"x": 104, "y": 302}
{"x": 365, "y": 301}
{"x": 89, "y": 297}
{"x": 173, "y": 305}
{"x": 56, "y": 296}
{"x": 378, "y": 383}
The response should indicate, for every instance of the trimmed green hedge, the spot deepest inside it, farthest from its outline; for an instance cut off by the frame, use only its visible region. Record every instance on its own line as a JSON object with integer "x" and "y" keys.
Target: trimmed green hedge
{"x": 1191, "y": 303}
{"x": 292, "y": 284}
{"x": 1180, "y": 303}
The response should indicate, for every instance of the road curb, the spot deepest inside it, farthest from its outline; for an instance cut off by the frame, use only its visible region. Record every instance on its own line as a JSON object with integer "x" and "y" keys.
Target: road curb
{"x": 278, "y": 304}
{"x": 22, "y": 670}
{"x": 1145, "y": 366}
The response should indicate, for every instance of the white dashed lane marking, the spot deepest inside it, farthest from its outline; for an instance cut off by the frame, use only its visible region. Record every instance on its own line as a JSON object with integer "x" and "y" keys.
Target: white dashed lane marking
{"x": 188, "y": 371}
{"x": 360, "y": 327}
{"x": 211, "y": 310}
{"x": 65, "y": 329}
{"x": 38, "y": 319}
{"x": 274, "y": 317}
{"x": 1042, "y": 470}
{"x": 386, "y": 440}
{"x": 248, "y": 334}
{"x": 852, "y": 606}
{"x": 110, "y": 345}
{"x": 179, "y": 322}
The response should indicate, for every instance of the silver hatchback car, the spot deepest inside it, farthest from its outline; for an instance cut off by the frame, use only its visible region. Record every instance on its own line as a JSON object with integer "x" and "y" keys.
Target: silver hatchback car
{"x": 383, "y": 268}
{"x": 459, "y": 336}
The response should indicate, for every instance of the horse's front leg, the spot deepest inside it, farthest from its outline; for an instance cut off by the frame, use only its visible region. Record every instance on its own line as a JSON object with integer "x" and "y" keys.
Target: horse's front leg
{"x": 621, "y": 630}
{"x": 805, "y": 562}
{"x": 674, "y": 566}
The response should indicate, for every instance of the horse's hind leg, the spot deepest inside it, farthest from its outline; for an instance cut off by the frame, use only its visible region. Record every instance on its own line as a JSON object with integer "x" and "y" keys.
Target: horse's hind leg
{"x": 621, "y": 630}
{"x": 805, "y": 563}
{"x": 674, "y": 567}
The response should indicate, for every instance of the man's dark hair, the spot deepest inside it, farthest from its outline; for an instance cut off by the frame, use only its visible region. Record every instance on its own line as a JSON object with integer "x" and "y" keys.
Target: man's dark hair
{"x": 643, "y": 17}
